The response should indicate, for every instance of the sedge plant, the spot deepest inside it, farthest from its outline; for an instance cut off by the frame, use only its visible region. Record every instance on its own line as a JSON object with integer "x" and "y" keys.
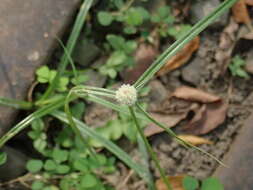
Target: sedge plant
{"x": 124, "y": 100}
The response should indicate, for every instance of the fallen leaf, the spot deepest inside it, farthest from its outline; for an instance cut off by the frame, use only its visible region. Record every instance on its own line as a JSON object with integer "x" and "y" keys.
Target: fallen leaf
{"x": 207, "y": 118}
{"x": 168, "y": 120}
{"x": 249, "y": 2}
{"x": 175, "y": 181}
{"x": 240, "y": 13}
{"x": 181, "y": 57}
{"x": 195, "y": 140}
{"x": 196, "y": 95}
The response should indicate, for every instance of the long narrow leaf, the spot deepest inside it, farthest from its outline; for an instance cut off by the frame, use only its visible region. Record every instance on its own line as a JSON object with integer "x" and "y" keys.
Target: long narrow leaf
{"x": 171, "y": 133}
{"x": 15, "y": 103}
{"x": 27, "y": 121}
{"x": 70, "y": 45}
{"x": 113, "y": 148}
{"x": 179, "y": 44}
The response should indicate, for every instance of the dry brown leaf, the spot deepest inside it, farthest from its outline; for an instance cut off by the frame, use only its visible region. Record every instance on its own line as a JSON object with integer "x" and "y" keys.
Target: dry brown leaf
{"x": 193, "y": 94}
{"x": 168, "y": 120}
{"x": 181, "y": 57}
{"x": 175, "y": 181}
{"x": 195, "y": 140}
{"x": 249, "y": 2}
{"x": 240, "y": 13}
{"x": 207, "y": 118}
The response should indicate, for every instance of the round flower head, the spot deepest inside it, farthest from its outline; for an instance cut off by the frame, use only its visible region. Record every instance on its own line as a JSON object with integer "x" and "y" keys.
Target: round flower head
{"x": 126, "y": 95}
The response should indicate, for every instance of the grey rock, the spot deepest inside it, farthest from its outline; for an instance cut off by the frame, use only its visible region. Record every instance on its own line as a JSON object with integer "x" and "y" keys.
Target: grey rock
{"x": 15, "y": 165}
{"x": 201, "y": 8}
{"x": 27, "y": 38}
{"x": 192, "y": 72}
{"x": 158, "y": 93}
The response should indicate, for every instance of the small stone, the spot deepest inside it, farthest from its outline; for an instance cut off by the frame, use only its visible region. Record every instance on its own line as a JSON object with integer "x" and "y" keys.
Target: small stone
{"x": 192, "y": 72}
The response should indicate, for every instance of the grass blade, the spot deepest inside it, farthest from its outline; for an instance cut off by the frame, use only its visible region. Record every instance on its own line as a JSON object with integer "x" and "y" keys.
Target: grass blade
{"x": 171, "y": 133}
{"x": 150, "y": 150}
{"x": 15, "y": 103}
{"x": 70, "y": 46}
{"x": 26, "y": 122}
{"x": 86, "y": 131}
{"x": 179, "y": 44}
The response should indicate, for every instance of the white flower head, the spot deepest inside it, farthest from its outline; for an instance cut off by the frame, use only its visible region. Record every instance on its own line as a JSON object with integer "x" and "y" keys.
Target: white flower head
{"x": 126, "y": 95}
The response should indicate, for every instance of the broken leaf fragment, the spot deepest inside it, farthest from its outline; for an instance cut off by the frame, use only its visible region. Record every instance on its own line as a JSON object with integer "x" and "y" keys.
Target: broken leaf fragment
{"x": 181, "y": 57}
{"x": 241, "y": 14}
{"x": 195, "y": 140}
{"x": 175, "y": 181}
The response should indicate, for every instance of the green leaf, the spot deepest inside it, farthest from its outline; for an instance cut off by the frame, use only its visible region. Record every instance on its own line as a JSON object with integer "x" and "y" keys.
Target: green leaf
{"x": 211, "y": 184}
{"x": 130, "y": 30}
{"x": 81, "y": 165}
{"x": 190, "y": 183}
{"x": 63, "y": 83}
{"x": 62, "y": 169}
{"x": 112, "y": 73}
{"x": 50, "y": 165}
{"x": 118, "y": 3}
{"x": 144, "y": 13}
{"x": 155, "y": 18}
{"x": 38, "y": 125}
{"x": 130, "y": 46}
{"x": 43, "y": 74}
{"x": 80, "y": 79}
{"x": 117, "y": 42}
{"x": 60, "y": 155}
{"x": 88, "y": 181}
{"x": 164, "y": 12}
{"x": 40, "y": 144}
{"x": 133, "y": 17}
{"x": 37, "y": 185}
{"x": 34, "y": 165}
{"x": 3, "y": 158}
{"x": 104, "y": 18}
{"x": 65, "y": 184}
{"x": 117, "y": 58}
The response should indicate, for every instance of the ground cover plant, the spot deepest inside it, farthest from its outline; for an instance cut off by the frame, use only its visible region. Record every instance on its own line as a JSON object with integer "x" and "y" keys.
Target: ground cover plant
{"x": 60, "y": 160}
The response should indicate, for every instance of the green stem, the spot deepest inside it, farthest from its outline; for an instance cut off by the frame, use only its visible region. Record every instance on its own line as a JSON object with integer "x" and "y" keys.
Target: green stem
{"x": 73, "y": 124}
{"x": 16, "y": 103}
{"x": 70, "y": 46}
{"x": 150, "y": 150}
{"x": 26, "y": 122}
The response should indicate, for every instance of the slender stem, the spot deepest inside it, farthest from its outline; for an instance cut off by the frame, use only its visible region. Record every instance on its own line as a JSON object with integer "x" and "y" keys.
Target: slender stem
{"x": 26, "y": 122}
{"x": 150, "y": 150}
{"x": 16, "y": 103}
{"x": 171, "y": 133}
{"x": 73, "y": 124}
{"x": 70, "y": 46}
